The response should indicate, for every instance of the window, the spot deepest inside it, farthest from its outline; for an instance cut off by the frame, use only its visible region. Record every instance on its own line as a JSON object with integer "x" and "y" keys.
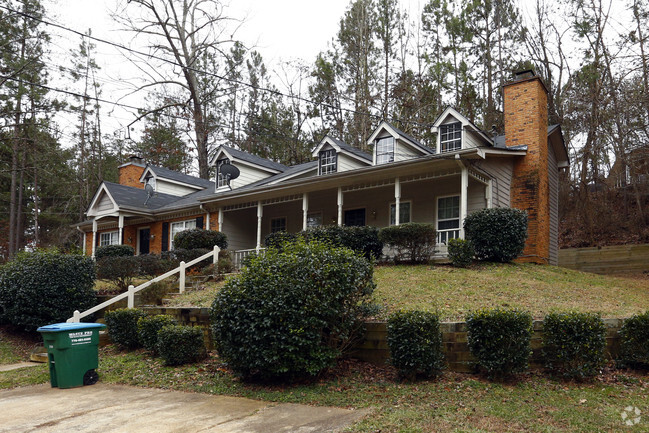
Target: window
{"x": 150, "y": 180}
{"x": 313, "y": 219}
{"x": 178, "y": 227}
{"x": 450, "y": 137}
{"x": 448, "y": 218}
{"x": 355, "y": 217}
{"x": 221, "y": 180}
{"x": 328, "y": 161}
{"x": 384, "y": 150}
{"x": 109, "y": 238}
{"x": 278, "y": 225}
{"x": 404, "y": 213}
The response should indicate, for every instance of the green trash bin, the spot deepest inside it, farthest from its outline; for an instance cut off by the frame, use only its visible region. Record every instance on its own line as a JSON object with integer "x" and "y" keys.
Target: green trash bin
{"x": 72, "y": 352}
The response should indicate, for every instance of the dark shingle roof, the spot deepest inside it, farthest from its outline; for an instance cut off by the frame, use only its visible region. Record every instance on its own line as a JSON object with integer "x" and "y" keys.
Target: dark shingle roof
{"x": 132, "y": 197}
{"x": 412, "y": 139}
{"x": 294, "y": 169}
{"x": 165, "y": 173}
{"x": 351, "y": 149}
{"x": 254, "y": 159}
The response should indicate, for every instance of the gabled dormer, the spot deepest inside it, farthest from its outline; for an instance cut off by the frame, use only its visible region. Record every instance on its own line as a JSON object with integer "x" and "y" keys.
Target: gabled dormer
{"x": 252, "y": 168}
{"x": 390, "y": 144}
{"x": 103, "y": 203}
{"x": 455, "y": 132}
{"x": 337, "y": 156}
{"x": 171, "y": 182}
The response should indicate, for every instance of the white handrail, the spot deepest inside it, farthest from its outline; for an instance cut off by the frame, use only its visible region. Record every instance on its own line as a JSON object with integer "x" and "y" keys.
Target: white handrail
{"x": 130, "y": 293}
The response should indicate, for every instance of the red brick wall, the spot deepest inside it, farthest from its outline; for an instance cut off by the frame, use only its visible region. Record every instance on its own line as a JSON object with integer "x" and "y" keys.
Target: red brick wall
{"x": 526, "y": 123}
{"x": 130, "y": 174}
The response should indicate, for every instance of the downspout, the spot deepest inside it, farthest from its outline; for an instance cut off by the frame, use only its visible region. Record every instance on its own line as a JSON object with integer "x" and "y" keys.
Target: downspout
{"x": 207, "y": 216}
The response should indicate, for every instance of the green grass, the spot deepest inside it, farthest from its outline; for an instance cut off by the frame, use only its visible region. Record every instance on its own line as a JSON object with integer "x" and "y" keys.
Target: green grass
{"x": 8, "y": 352}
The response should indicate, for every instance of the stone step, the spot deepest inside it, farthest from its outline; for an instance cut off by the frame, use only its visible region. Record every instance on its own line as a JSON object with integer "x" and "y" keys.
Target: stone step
{"x": 38, "y": 354}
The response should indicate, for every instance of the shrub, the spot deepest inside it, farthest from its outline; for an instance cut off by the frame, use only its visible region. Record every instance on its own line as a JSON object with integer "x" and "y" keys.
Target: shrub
{"x": 460, "y": 252}
{"x": 500, "y": 340}
{"x": 178, "y": 344}
{"x": 148, "y": 327}
{"x": 114, "y": 251}
{"x": 574, "y": 343}
{"x": 120, "y": 270}
{"x": 183, "y": 255}
{"x": 45, "y": 287}
{"x": 152, "y": 265}
{"x": 156, "y": 292}
{"x": 225, "y": 263}
{"x": 277, "y": 239}
{"x": 291, "y": 313}
{"x": 497, "y": 234}
{"x": 414, "y": 242}
{"x": 200, "y": 239}
{"x": 415, "y": 342}
{"x": 122, "y": 326}
{"x": 364, "y": 239}
{"x": 634, "y": 345}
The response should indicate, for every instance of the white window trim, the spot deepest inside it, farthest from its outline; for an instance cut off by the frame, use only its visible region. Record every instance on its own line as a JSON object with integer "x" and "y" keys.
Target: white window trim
{"x": 315, "y": 213}
{"x": 441, "y": 143}
{"x": 270, "y": 223}
{"x": 376, "y": 150}
{"x": 438, "y": 220}
{"x": 219, "y": 177}
{"x": 401, "y": 203}
{"x": 110, "y": 239}
{"x": 332, "y": 165}
{"x": 171, "y": 230}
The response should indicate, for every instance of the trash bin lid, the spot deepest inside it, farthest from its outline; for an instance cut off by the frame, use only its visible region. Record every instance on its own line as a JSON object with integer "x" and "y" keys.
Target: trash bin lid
{"x": 58, "y": 327}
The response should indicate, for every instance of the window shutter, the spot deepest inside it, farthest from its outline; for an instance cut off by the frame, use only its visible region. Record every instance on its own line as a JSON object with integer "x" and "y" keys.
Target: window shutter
{"x": 165, "y": 237}
{"x": 122, "y": 240}
{"x": 199, "y": 222}
{"x": 97, "y": 236}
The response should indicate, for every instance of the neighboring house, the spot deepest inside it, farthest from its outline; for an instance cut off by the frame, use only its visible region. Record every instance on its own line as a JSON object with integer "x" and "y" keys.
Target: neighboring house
{"x": 400, "y": 181}
{"x": 632, "y": 169}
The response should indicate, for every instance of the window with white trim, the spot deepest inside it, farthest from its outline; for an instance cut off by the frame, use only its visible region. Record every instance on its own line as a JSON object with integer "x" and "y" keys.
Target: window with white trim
{"x": 150, "y": 180}
{"x": 448, "y": 218}
{"x": 404, "y": 213}
{"x": 450, "y": 137}
{"x": 313, "y": 219}
{"x": 278, "y": 225}
{"x": 328, "y": 161}
{"x": 178, "y": 227}
{"x": 109, "y": 238}
{"x": 221, "y": 180}
{"x": 384, "y": 150}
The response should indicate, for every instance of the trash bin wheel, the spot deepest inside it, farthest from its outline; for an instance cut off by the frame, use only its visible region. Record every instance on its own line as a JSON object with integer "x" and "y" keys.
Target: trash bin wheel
{"x": 90, "y": 378}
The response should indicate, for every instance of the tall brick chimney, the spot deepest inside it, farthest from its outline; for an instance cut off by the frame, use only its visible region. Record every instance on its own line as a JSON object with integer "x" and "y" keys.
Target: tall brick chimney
{"x": 526, "y": 123}
{"x": 130, "y": 173}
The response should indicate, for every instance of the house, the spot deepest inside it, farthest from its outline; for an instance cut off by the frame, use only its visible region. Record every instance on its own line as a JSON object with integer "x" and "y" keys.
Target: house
{"x": 401, "y": 180}
{"x": 630, "y": 170}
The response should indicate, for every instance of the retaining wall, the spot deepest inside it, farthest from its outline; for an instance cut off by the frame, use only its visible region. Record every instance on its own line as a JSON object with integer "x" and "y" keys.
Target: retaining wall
{"x": 615, "y": 259}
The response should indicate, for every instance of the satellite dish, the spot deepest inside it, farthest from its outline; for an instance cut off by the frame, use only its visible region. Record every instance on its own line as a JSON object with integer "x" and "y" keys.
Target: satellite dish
{"x": 229, "y": 171}
{"x": 149, "y": 192}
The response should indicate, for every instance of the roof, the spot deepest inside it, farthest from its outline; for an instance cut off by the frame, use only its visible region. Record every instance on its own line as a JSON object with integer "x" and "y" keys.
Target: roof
{"x": 499, "y": 140}
{"x": 133, "y": 197}
{"x": 166, "y": 173}
{"x": 351, "y": 149}
{"x": 412, "y": 139}
{"x": 253, "y": 159}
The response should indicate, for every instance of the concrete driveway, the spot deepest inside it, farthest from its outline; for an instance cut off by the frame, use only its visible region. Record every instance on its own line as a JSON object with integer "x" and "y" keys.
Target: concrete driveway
{"x": 114, "y": 408}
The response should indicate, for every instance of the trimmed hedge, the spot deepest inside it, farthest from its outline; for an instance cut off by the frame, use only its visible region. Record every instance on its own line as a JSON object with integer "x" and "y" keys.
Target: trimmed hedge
{"x": 292, "y": 313}
{"x": 500, "y": 340}
{"x": 152, "y": 265}
{"x": 497, "y": 234}
{"x": 114, "y": 251}
{"x": 200, "y": 239}
{"x": 460, "y": 252}
{"x": 122, "y": 326}
{"x": 180, "y": 344}
{"x": 574, "y": 343}
{"x": 412, "y": 241}
{"x": 148, "y": 327}
{"x": 45, "y": 287}
{"x": 120, "y": 270}
{"x": 278, "y": 239}
{"x": 634, "y": 344}
{"x": 415, "y": 342}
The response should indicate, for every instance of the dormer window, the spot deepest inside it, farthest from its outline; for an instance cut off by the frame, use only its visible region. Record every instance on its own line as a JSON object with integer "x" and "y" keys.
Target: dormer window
{"x": 150, "y": 180}
{"x": 328, "y": 161}
{"x": 450, "y": 137}
{"x": 384, "y": 150}
{"x": 221, "y": 180}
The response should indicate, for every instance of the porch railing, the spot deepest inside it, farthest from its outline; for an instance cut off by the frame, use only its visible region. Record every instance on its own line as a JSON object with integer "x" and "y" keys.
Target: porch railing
{"x": 239, "y": 256}
{"x": 130, "y": 293}
{"x": 443, "y": 236}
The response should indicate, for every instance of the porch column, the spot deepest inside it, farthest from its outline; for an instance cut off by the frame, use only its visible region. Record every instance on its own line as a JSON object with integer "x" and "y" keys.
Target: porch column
{"x": 94, "y": 237}
{"x": 397, "y": 200}
{"x": 84, "y": 243}
{"x": 260, "y": 214}
{"x": 207, "y": 220}
{"x": 489, "y": 193}
{"x": 340, "y": 206}
{"x": 120, "y": 224}
{"x": 220, "y": 219}
{"x": 305, "y": 209}
{"x": 464, "y": 189}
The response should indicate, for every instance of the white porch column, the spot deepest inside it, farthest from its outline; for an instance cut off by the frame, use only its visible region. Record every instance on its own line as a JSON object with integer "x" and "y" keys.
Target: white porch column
{"x": 84, "y": 243}
{"x": 305, "y": 209}
{"x": 397, "y": 200}
{"x": 464, "y": 189}
{"x": 260, "y": 214}
{"x": 94, "y": 237}
{"x": 489, "y": 193}
{"x": 120, "y": 224}
{"x": 207, "y": 220}
{"x": 220, "y": 219}
{"x": 340, "y": 206}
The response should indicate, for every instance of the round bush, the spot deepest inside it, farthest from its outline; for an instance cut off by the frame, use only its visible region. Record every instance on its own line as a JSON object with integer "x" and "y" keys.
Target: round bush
{"x": 114, "y": 251}
{"x": 497, "y": 234}
{"x": 415, "y": 342}
{"x": 42, "y": 288}
{"x": 292, "y": 313}
{"x": 120, "y": 270}
{"x": 148, "y": 327}
{"x": 634, "y": 344}
{"x": 460, "y": 252}
{"x": 198, "y": 238}
{"x": 414, "y": 242}
{"x": 122, "y": 327}
{"x": 179, "y": 344}
{"x": 363, "y": 239}
{"x": 152, "y": 265}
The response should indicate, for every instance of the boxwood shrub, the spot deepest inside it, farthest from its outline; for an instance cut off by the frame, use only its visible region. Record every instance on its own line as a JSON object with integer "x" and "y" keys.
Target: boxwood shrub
{"x": 114, "y": 251}
{"x": 362, "y": 239}
{"x": 45, "y": 287}
{"x": 500, "y": 340}
{"x": 180, "y": 344}
{"x": 634, "y": 344}
{"x": 497, "y": 234}
{"x": 292, "y": 313}
{"x": 414, "y": 242}
{"x": 122, "y": 327}
{"x": 415, "y": 342}
{"x": 120, "y": 270}
{"x": 574, "y": 343}
{"x": 148, "y": 327}
{"x": 460, "y": 252}
{"x": 199, "y": 238}
{"x": 278, "y": 239}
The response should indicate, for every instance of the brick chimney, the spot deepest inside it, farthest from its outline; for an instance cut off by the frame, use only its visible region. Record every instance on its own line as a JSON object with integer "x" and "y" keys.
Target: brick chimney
{"x": 130, "y": 173}
{"x": 526, "y": 123}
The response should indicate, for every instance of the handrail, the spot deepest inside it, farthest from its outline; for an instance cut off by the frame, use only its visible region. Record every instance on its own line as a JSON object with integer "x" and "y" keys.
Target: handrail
{"x": 130, "y": 293}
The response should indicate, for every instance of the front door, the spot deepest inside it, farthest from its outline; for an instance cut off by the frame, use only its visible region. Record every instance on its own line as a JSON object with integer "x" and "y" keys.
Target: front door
{"x": 355, "y": 217}
{"x": 145, "y": 234}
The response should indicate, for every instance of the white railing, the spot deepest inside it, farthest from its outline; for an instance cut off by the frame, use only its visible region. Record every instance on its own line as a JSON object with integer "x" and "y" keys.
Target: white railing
{"x": 443, "y": 236}
{"x": 239, "y": 256}
{"x": 130, "y": 293}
